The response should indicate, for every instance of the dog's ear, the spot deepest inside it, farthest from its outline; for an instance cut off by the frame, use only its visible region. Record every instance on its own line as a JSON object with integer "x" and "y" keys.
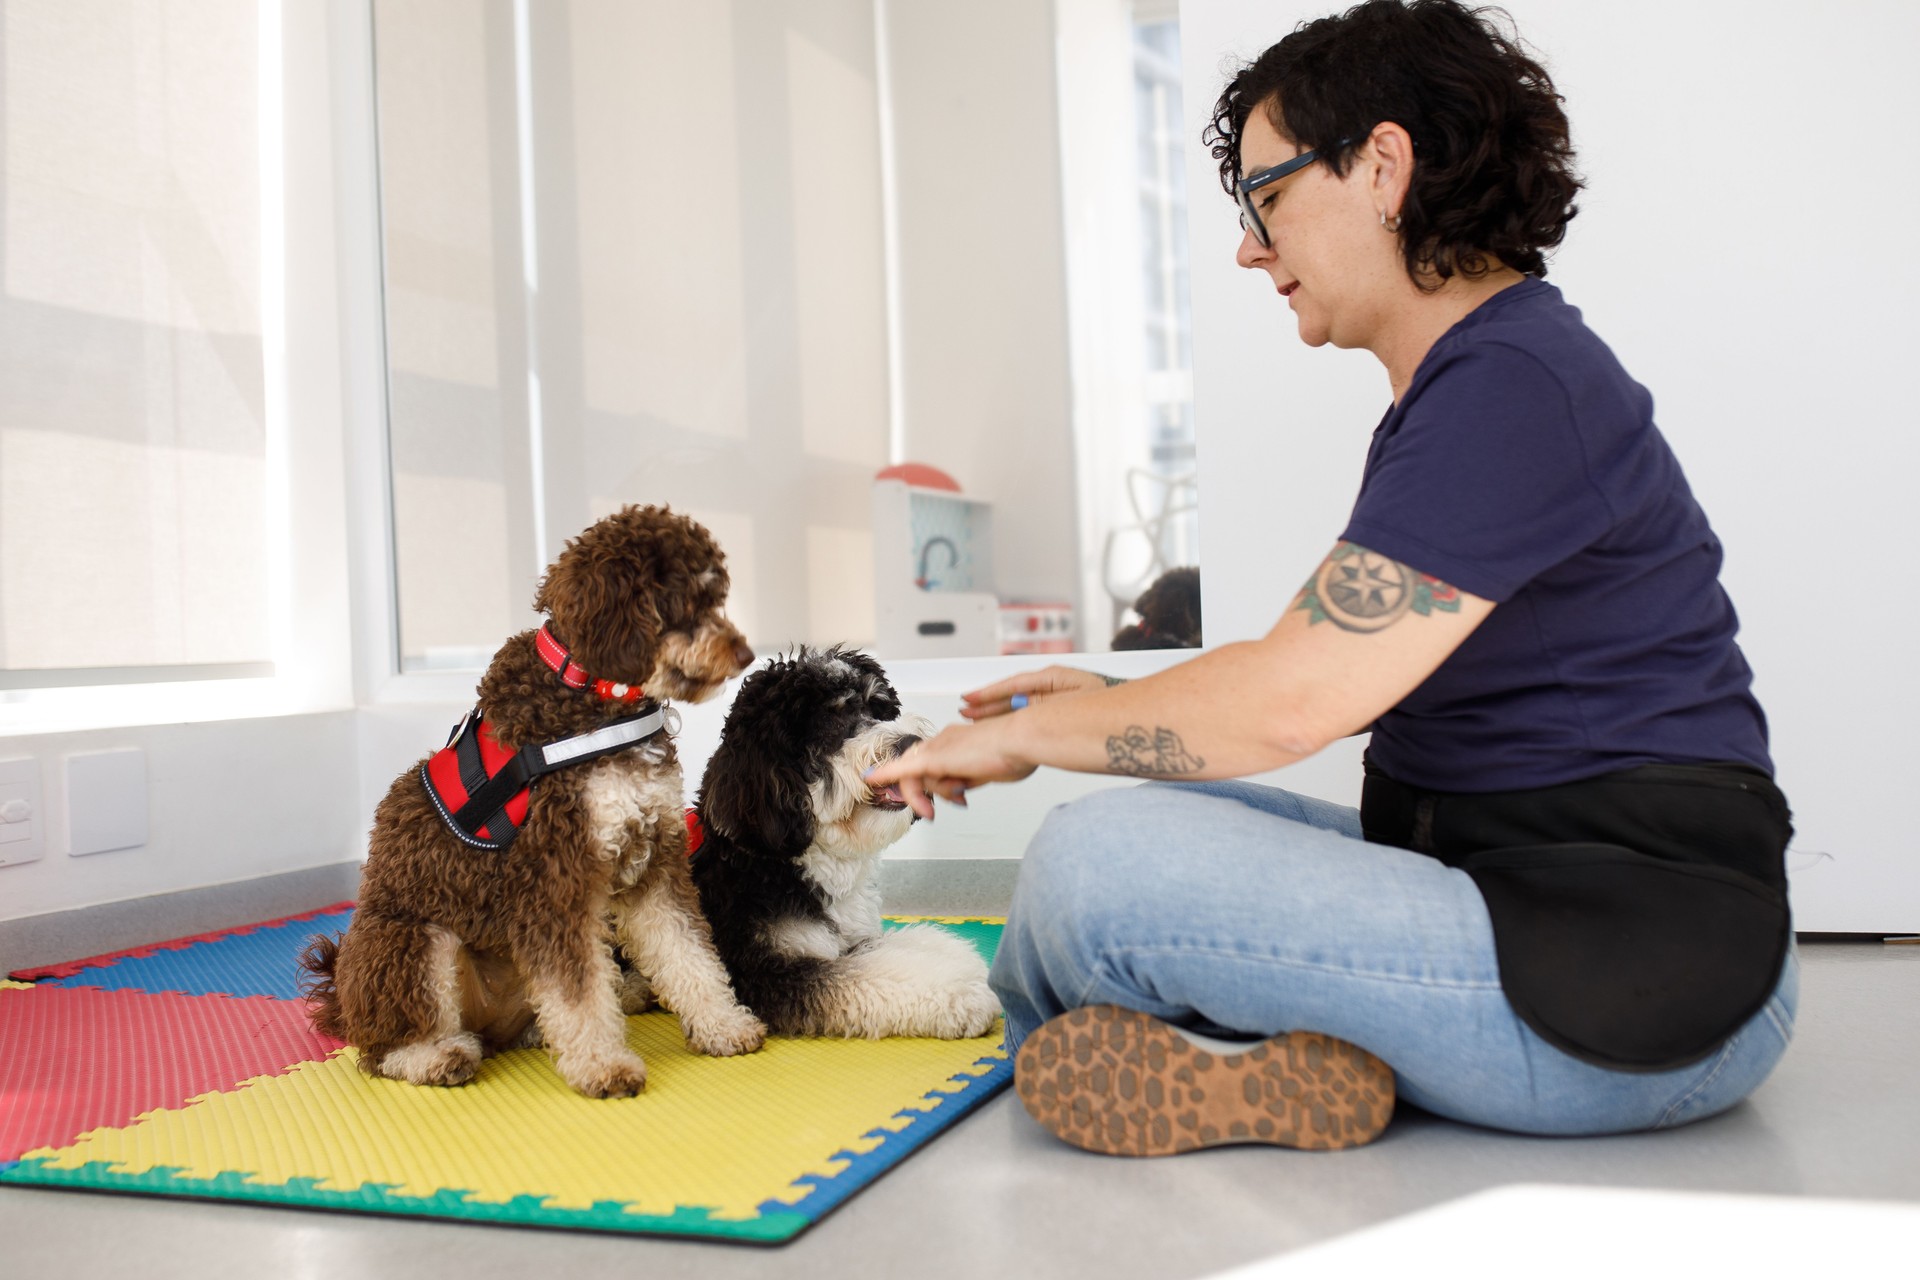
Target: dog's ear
{"x": 605, "y": 590}
{"x": 755, "y": 788}
{"x": 762, "y": 806}
{"x": 605, "y": 614}
{"x": 882, "y": 700}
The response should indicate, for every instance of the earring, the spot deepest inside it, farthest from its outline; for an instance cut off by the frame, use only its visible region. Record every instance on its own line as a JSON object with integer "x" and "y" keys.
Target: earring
{"x": 1391, "y": 224}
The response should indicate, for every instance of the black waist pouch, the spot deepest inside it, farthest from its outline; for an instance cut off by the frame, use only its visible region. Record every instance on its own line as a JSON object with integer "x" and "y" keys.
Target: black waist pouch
{"x": 1639, "y": 918}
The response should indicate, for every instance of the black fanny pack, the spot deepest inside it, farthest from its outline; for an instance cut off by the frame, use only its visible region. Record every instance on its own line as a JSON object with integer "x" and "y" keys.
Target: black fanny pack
{"x": 1639, "y": 918}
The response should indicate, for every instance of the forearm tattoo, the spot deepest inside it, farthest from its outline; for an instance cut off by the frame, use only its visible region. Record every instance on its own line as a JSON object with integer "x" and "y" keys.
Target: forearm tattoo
{"x": 1159, "y": 754}
{"x": 1112, "y": 680}
{"x": 1361, "y": 590}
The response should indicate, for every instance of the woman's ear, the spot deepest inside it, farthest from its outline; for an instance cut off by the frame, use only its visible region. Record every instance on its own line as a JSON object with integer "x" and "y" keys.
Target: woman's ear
{"x": 1390, "y": 148}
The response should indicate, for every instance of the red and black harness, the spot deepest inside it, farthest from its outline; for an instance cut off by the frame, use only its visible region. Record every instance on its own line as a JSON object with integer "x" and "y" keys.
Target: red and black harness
{"x": 482, "y": 790}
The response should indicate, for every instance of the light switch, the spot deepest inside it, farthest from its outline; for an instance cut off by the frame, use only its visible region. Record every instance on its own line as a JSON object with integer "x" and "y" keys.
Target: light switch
{"x": 107, "y": 801}
{"x": 22, "y": 829}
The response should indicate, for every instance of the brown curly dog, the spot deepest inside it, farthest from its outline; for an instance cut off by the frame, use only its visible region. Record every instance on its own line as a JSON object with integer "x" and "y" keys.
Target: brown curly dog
{"x": 479, "y": 933}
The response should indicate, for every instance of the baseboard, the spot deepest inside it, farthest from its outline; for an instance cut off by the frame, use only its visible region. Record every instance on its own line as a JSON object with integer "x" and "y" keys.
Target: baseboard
{"x": 914, "y": 886}
{"x": 115, "y": 926}
{"x": 948, "y": 886}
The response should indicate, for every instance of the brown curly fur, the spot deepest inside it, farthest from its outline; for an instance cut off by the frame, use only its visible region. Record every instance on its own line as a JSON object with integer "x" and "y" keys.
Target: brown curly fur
{"x": 455, "y": 951}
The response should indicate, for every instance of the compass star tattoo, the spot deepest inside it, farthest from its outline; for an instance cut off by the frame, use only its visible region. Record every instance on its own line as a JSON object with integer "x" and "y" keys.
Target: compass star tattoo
{"x": 1361, "y": 590}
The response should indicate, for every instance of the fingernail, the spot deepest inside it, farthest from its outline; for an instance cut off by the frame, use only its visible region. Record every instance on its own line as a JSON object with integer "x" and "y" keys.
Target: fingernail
{"x": 1019, "y": 701}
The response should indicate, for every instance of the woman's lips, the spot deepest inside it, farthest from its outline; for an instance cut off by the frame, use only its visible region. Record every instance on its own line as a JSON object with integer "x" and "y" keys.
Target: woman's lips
{"x": 1286, "y": 291}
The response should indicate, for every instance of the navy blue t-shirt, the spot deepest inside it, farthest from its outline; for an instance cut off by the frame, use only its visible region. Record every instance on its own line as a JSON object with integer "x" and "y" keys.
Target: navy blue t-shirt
{"x": 1523, "y": 465}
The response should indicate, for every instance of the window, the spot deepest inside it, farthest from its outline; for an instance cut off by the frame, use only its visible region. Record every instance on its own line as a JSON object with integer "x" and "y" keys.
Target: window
{"x": 134, "y": 436}
{"x": 1169, "y": 318}
{"x": 633, "y": 254}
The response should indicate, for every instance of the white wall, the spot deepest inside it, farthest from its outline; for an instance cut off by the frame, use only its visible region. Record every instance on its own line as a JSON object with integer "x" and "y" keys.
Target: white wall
{"x": 226, "y": 801}
{"x": 983, "y": 287}
{"x": 1746, "y": 247}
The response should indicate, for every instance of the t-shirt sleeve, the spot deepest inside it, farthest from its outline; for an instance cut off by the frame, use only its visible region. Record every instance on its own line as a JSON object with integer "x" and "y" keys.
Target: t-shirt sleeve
{"x": 1485, "y": 483}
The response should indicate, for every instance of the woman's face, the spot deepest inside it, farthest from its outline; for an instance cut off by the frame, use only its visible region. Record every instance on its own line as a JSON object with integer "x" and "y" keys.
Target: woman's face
{"x": 1330, "y": 258}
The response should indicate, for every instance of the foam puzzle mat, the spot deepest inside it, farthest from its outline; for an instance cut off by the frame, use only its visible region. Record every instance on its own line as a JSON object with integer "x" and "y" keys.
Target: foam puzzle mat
{"x": 188, "y": 1068}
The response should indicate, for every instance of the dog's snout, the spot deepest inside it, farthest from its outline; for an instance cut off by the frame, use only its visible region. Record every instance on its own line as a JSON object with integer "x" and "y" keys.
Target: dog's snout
{"x": 743, "y": 654}
{"x": 904, "y": 741}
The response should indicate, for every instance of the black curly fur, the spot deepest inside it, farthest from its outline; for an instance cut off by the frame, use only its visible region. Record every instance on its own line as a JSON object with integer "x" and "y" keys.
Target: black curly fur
{"x": 786, "y": 724}
{"x": 1169, "y": 614}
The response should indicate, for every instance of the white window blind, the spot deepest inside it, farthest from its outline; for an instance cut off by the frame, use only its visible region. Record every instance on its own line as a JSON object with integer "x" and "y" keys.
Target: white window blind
{"x": 633, "y": 253}
{"x": 133, "y": 541}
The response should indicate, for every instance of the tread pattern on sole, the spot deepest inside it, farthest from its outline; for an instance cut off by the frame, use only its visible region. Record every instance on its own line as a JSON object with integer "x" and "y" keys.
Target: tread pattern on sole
{"x": 1120, "y": 1082}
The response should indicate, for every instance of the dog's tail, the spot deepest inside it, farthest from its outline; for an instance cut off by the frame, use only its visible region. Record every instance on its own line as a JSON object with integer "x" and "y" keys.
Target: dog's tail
{"x": 316, "y": 985}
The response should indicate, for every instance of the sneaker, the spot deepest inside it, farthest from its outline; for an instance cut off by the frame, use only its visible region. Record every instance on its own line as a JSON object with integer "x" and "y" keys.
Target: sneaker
{"x": 1115, "y": 1081}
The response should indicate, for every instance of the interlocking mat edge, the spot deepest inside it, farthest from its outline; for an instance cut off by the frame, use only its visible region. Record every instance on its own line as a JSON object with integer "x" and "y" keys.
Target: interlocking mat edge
{"x": 109, "y": 1084}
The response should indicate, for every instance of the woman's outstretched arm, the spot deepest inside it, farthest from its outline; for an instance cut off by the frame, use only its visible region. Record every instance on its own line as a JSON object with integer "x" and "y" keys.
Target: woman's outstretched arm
{"x": 1363, "y": 633}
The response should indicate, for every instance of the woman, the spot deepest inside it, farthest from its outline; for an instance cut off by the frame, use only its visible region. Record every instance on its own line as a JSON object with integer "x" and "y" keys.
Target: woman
{"x": 1561, "y": 905}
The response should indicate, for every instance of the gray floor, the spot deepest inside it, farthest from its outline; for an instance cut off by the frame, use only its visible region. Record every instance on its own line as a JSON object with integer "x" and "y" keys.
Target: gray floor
{"x": 995, "y": 1197}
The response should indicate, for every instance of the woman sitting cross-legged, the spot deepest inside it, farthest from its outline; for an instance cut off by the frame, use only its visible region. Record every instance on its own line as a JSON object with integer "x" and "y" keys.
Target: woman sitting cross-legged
{"x": 1560, "y": 907}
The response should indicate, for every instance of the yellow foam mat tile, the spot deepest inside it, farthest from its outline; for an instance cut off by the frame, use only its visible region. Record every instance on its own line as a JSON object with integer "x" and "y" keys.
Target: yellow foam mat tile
{"x": 717, "y": 1133}
{"x": 8, "y": 984}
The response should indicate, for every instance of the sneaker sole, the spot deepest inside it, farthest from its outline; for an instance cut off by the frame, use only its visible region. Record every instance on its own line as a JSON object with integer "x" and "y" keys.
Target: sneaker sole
{"x": 1119, "y": 1082}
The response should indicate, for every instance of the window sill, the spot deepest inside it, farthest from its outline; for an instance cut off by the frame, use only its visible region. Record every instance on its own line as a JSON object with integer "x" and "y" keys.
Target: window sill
{"x": 27, "y": 714}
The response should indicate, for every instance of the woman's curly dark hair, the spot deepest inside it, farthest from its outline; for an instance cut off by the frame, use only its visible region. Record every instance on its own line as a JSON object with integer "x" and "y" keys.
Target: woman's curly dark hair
{"x": 1493, "y": 180}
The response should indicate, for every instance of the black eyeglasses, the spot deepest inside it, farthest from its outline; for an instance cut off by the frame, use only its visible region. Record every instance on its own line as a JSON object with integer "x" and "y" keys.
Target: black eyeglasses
{"x": 1249, "y": 217}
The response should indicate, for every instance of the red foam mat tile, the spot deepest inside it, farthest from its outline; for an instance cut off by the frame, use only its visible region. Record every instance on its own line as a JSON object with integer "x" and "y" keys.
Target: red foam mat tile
{"x": 67, "y": 968}
{"x": 75, "y": 1059}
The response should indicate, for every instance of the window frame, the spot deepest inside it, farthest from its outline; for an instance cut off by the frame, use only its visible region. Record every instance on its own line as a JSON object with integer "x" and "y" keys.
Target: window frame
{"x": 304, "y": 68}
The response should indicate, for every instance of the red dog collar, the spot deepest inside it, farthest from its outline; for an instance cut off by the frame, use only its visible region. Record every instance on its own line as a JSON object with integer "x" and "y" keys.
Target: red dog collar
{"x": 575, "y": 676}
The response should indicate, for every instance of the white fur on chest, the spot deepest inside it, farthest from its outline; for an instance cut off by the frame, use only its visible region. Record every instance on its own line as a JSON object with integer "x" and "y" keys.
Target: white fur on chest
{"x": 628, "y": 798}
{"x": 849, "y": 893}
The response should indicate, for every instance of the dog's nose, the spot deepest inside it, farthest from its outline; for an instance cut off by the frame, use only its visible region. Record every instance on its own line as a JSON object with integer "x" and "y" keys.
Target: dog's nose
{"x": 901, "y": 743}
{"x": 743, "y": 654}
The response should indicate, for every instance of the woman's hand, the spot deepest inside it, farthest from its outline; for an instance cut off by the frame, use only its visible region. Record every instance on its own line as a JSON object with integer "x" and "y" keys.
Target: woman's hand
{"x": 1029, "y": 686}
{"x": 958, "y": 757}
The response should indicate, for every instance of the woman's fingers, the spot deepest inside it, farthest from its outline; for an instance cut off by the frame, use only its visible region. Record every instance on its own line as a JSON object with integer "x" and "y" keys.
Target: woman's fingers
{"x": 1001, "y": 690}
{"x": 915, "y": 795}
{"x": 1002, "y": 696}
{"x": 950, "y": 789}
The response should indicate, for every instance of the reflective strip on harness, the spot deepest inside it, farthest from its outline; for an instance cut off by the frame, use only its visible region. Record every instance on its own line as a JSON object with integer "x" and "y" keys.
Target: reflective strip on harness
{"x": 482, "y": 791}
{"x": 619, "y": 734}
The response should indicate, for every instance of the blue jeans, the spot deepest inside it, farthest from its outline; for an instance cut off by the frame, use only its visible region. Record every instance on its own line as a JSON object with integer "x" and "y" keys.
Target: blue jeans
{"x": 1238, "y": 909}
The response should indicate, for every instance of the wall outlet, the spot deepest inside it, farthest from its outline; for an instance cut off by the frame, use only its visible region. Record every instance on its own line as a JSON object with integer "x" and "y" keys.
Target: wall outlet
{"x": 106, "y": 801}
{"x": 23, "y": 827}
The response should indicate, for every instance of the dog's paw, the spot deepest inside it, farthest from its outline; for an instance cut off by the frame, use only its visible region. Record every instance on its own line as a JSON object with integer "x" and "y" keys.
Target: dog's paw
{"x": 636, "y": 993}
{"x": 736, "y": 1032}
{"x": 448, "y": 1062}
{"x": 622, "y": 1076}
{"x": 972, "y": 1010}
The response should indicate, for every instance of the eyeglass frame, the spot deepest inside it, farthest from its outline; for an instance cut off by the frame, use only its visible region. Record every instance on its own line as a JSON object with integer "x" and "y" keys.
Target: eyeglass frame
{"x": 1250, "y": 217}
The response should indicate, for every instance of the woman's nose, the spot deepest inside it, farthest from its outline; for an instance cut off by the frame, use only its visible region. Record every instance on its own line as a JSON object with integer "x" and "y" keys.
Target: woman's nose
{"x": 1252, "y": 253}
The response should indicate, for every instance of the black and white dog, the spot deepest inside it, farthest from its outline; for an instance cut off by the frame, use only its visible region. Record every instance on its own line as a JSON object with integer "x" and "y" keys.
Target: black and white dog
{"x": 789, "y": 838}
